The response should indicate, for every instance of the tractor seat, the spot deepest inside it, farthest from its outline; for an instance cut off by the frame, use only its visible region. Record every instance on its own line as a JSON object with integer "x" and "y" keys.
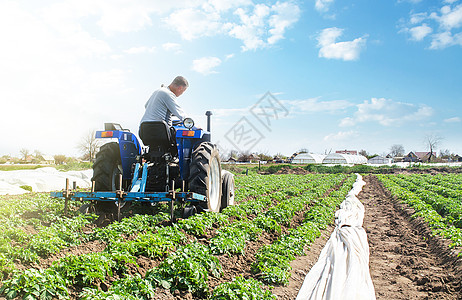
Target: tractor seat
{"x": 159, "y": 137}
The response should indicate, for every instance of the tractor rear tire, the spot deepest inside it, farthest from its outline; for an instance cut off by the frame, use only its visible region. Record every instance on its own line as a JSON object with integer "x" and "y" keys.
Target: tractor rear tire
{"x": 205, "y": 175}
{"x": 106, "y": 171}
{"x": 227, "y": 189}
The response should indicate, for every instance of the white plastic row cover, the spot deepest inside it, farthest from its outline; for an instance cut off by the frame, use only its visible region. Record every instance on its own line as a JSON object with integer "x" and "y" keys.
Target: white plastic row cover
{"x": 342, "y": 269}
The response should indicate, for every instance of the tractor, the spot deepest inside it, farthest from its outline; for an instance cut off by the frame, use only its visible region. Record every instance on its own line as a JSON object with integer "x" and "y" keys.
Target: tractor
{"x": 173, "y": 164}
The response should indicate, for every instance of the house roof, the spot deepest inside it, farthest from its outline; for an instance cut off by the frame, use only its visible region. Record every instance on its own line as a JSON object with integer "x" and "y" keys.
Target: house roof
{"x": 422, "y": 155}
{"x": 48, "y": 157}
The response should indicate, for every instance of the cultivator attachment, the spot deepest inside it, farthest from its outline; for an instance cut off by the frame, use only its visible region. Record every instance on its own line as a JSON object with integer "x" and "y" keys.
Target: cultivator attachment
{"x": 136, "y": 194}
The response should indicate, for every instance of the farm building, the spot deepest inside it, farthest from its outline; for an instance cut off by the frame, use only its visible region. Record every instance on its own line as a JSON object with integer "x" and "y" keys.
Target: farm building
{"x": 47, "y": 159}
{"x": 339, "y": 158}
{"x": 379, "y": 160}
{"x": 308, "y": 158}
{"x": 352, "y": 152}
{"x": 419, "y": 157}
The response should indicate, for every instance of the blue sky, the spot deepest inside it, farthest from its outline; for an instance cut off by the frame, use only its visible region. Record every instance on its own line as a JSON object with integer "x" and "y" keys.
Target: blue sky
{"x": 279, "y": 76}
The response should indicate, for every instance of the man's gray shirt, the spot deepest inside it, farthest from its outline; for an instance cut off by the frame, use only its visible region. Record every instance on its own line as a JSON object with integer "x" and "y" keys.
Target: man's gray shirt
{"x": 161, "y": 106}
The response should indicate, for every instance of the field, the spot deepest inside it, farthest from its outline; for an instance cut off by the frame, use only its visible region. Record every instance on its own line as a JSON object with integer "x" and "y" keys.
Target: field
{"x": 261, "y": 248}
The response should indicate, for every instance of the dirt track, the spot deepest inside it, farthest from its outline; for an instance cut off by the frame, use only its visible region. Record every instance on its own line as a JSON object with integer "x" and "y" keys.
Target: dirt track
{"x": 406, "y": 262}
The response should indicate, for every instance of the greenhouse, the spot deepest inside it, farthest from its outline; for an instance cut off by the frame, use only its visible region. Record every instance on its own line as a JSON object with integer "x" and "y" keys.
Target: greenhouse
{"x": 308, "y": 158}
{"x": 339, "y": 158}
{"x": 379, "y": 160}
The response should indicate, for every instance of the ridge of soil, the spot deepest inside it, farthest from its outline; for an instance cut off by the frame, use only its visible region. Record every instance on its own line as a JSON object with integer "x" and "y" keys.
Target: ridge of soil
{"x": 405, "y": 262}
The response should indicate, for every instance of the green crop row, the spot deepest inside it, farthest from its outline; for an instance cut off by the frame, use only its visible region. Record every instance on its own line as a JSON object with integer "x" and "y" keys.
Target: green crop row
{"x": 449, "y": 190}
{"x": 449, "y": 181}
{"x": 16, "y": 244}
{"x": 449, "y": 208}
{"x": 440, "y": 225}
{"x": 185, "y": 264}
{"x": 272, "y": 263}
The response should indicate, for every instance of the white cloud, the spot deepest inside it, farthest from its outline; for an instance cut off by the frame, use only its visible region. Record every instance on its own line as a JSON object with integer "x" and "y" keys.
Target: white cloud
{"x": 339, "y": 50}
{"x": 251, "y": 29}
{"x": 387, "y": 112}
{"x": 257, "y": 26}
{"x": 445, "y": 22}
{"x": 346, "y": 122}
{"x": 225, "y": 5}
{"x": 125, "y": 16}
{"x": 450, "y": 18}
{"x": 445, "y": 39}
{"x": 205, "y": 65}
{"x": 226, "y": 112}
{"x": 286, "y": 14}
{"x": 341, "y": 135}
{"x": 418, "y": 33}
{"x": 139, "y": 50}
{"x": 192, "y": 23}
{"x": 314, "y": 105}
{"x": 418, "y": 18}
{"x": 172, "y": 47}
{"x": 111, "y": 16}
{"x": 453, "y": 120}
{"x": 323, "y": 5}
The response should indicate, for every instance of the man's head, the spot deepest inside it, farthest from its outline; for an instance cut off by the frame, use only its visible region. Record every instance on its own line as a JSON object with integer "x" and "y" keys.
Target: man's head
{"x": 178, "y": 85}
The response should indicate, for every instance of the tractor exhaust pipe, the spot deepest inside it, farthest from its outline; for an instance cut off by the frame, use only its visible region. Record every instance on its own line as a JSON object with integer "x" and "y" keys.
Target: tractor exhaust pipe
{"x": 208, "y": 114}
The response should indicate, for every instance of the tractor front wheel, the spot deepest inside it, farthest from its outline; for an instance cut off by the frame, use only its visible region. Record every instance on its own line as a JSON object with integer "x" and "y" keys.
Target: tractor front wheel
{"x": 205, "y": 175}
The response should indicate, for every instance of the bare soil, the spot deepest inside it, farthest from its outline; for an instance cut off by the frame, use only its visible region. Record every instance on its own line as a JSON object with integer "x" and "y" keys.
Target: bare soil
{"x": 406, "y": 261}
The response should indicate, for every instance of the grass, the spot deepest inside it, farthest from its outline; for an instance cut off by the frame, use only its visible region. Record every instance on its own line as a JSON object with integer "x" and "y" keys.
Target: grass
{"x": 73, "y": 166}
{"x": 20, "y": 167}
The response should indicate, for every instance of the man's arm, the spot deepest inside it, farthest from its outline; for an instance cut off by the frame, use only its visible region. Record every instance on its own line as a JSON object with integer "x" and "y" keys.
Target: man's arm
{"x": 174, "y": 108}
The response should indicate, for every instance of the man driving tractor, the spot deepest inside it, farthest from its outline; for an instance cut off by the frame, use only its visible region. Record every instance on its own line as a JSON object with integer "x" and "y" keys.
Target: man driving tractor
{"x": 162, "y": 104}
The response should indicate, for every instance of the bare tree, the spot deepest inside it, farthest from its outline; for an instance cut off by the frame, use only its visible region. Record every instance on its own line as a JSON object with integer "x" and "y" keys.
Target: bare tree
{"x": 234, "y": 154}
{"x": 432, "y": 140}
{"x": 445, "y": 154}
{"x": 24, "y": 153}
{"x": 397, "y": 150}
{"x": 89, "y": 145}
{"x": 244, "y": 156}
{"x": 363, "y": 153}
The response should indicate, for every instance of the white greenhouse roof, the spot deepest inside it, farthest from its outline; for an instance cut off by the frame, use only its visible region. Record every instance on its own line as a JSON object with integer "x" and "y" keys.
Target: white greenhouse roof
{"x": 379, "y": 160}
{"x": 308, "y": 158}
{"x": 340, "y": 158}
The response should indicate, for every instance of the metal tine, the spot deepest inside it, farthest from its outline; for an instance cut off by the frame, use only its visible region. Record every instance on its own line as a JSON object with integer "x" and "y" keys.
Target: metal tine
{"x": 119, "y": 201}
{"x": 66, "y": 196}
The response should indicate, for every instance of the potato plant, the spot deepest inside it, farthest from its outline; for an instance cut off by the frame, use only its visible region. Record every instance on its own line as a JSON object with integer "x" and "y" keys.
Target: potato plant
{"x": 187, "y": 251}
{"x": 426, "y": 207}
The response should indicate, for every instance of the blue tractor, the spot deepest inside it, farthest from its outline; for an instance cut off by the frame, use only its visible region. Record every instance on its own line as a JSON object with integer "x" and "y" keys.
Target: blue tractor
{"x": 173, "y": 164}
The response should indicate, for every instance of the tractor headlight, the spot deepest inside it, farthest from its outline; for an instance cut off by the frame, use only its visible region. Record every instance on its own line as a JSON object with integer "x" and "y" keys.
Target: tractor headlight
{"x": 188, "y": 123}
